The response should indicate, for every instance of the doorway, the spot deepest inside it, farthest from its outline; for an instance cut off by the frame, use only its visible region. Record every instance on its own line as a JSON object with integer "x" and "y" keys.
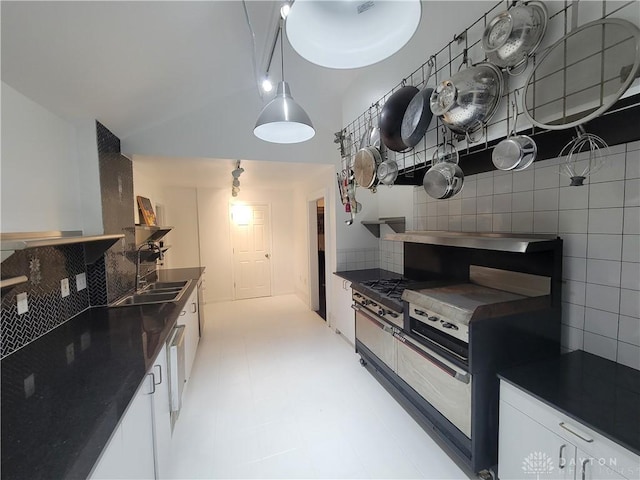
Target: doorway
{"x": 251, "y": 242}
{"x": 322, "y": 288}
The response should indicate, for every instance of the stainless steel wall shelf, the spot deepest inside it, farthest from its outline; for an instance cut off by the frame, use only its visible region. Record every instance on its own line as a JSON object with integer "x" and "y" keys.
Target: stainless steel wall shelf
{"x": 397, "y": 224}
{"x": 95, "y": 246}
{"x": 147, "y": 233}
{"x": 13, "y": 281}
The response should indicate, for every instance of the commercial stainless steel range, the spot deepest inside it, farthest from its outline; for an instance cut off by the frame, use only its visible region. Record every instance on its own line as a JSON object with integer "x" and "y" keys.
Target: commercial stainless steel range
{"x": 437, "y": 338}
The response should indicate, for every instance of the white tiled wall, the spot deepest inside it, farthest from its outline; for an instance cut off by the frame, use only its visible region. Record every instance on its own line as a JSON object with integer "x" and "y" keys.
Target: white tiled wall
{"x": 391, "y": 253}
{"x": 599, "y": 223}
{"x": 357, "y": 258}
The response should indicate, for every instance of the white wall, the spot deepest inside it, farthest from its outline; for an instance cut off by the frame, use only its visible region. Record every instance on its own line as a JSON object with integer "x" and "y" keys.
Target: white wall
{"x": 145, "y": 185}
{"x": 40, "y": 183}
{"x": 181, "y": 212}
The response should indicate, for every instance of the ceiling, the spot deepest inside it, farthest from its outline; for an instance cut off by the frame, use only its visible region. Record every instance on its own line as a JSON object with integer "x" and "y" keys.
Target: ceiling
{"x": 134, "y": 65}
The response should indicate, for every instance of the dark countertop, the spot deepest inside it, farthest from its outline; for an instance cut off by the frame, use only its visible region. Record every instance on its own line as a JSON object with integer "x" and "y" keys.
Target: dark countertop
{"x": 599, "y": 393}
{"x": 368, "y": 274}
{"x": 60, "y": 429}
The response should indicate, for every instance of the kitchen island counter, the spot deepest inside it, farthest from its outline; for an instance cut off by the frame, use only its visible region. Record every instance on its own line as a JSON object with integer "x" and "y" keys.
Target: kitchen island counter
{"x": 64, "y": 394}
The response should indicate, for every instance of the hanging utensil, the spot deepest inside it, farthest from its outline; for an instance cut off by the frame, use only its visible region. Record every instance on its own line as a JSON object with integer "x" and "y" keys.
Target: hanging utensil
{"x": 512, "y": 36}
{"x": 516, "y": 152}
{"x": 585, "y": 155}
{"x": 365, "y": 167}
{"x": 417, "y": 116}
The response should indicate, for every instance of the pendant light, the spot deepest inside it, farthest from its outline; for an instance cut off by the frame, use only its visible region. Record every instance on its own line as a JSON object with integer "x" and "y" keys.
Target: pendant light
{"x": 351, "y": 33}
{"x": 282, "y": 120}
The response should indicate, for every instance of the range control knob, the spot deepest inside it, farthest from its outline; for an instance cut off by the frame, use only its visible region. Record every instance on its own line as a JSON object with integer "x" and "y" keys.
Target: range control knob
{"x": 392, "y": 314}
{"x": 433, "y": 318}
{"x": 420, "y": 312}
{"x": 450, "y": 326}
{"x": 381, "y": 312}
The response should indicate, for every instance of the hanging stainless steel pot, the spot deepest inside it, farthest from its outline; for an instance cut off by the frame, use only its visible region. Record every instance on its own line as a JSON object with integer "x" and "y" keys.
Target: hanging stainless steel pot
{"x": 388, "y": 172}
{"x": 392, "y": 115}
{"x": 513, "y": 35}
{"x": 445, "y": 178}
{"x": 466, "y": 101}
{"x": 365, "y": 167}
{"x": 516, "y": 152}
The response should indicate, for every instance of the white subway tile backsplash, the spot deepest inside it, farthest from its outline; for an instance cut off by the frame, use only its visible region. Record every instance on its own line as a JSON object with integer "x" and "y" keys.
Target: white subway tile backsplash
{"x": 484, "y": 222}
{"x": 468, "y": 206}
{"x": 484, "y": 204}
{"x": 574, "y": 268}
{"x": 571, "y": 338}
{"x": 522, "y": 222}
{"x": 631, "y": 248}
{"x": 575, "y": 244}
{"x": 545, "y": 222}
{"x": 501, "y": 222}
{"x": 629, "y": 355}
{"x": 629, "y": 329}
{"x": 631, "y": 220}
{"x": 469, "y": 190}
{"x": 629, "y": 303}
{"x": 468, "y": 223}
{"x": 573, "y": 221}
{"x": 432, "y": 223}
{"x": 455, "y": 223}
{"x": 503, "y": 182}
{"x": 432, "y": 209}
{"x": 601, "y": 346}
{"x": 602, "y": 297}
{"x": 546, "y": 177}
{"x": 522, "y": 201}
{"x": 605, "y": 220}
{"x": 574, "y": 292}
{"x": 603, "y": 272}
{"x": 455, "y": 206}
{"x": 633, "y": 164}
{"x": 442, "y": 207}
{"x": 574, "y": 198}
{"x": 523, "y": 181}
{"x": 614, "y": 169}
{"x": 501, "y": 203}
{"x": 443, "y": 222}
{"x": 485, "y": 186}
{"x": 632, "y": 193}
{"x": 605, "y": 247}
{"x": 606, "y": 194}
{"x": 600, "y": 322}
{"x": 573, "y": 315}
{"x": 546, "y": 199}
{"x": 630, "y": 276}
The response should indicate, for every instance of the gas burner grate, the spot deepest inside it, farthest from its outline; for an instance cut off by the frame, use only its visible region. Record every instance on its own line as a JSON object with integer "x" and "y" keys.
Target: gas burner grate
{"x": 391, "y": 288}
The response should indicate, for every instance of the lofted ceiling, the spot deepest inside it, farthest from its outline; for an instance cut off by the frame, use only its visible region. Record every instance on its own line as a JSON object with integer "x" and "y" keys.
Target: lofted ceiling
{"x": 137, "y": 65}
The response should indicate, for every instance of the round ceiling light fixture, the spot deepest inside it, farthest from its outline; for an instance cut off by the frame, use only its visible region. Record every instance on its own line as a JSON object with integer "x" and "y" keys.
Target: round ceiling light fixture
{"x": 351, "y": 33}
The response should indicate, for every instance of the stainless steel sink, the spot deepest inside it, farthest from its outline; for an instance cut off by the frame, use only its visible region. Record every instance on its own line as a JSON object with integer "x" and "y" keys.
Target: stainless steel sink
{"x": 158, "y": 292}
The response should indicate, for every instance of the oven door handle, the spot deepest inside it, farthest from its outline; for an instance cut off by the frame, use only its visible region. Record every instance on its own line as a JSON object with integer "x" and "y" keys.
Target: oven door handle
{"x": 461, "y": 377}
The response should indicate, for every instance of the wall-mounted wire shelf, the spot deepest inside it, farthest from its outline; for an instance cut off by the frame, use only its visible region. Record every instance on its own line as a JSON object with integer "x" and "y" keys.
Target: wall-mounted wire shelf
{"x": 615, "y": 126}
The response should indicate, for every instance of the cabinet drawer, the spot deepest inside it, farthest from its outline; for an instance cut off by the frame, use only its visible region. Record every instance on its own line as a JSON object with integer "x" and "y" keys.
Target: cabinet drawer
{"x": 603, "y": 450}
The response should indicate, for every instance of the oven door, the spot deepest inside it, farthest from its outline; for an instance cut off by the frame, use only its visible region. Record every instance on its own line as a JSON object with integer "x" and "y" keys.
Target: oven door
{"x": 377, "y": 336}
{"x": 445, "y": 386}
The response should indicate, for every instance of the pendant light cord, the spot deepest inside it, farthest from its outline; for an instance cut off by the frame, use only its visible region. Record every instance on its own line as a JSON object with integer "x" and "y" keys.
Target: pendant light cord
{"x": 281, "y": 49}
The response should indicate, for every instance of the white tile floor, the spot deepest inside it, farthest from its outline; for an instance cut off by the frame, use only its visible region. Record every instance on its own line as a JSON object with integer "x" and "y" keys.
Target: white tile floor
{"x": 274, "y": 393}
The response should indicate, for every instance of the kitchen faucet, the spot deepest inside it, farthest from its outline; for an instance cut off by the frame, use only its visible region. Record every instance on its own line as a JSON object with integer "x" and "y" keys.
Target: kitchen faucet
{"x": 151, "y": 247}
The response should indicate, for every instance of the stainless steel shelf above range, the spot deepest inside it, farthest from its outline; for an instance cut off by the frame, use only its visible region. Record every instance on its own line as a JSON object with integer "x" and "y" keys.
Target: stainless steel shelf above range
{"x": 397, "y": 224}
{"x": 11, "y": 242}
{"x": 486, "y": 241}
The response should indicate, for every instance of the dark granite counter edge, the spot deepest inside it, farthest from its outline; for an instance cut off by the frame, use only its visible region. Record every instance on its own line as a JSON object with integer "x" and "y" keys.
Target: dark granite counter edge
{"x": 530, "y": 391}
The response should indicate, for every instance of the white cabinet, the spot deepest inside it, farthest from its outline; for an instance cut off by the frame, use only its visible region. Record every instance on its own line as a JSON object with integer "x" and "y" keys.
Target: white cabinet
{"x": 189, "y": 318}
{"x": 539, "y": 442}
{"x": 161, "y": 415}
{"x": 129, "y": 454}
{"x": 343, "y": 315}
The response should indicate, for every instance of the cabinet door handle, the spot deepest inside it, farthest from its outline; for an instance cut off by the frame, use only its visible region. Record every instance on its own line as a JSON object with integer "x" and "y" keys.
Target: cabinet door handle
{"x": 195, "y": 309}
{"x": 159, "y": 374}
{"x": 183, "y": 313}
{"x": 561, "y": 460}
{"x": 585, "y": 462}
{"x": 153, "y": 383}
{"x": 573, "y": 431}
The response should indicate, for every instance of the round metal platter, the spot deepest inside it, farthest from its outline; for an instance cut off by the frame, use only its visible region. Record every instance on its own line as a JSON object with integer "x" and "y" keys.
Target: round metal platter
{"x": 580, "y": 76}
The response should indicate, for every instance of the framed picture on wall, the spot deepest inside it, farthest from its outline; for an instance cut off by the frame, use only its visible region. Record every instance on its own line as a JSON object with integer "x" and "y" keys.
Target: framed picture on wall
{"x": 146, "y": 212}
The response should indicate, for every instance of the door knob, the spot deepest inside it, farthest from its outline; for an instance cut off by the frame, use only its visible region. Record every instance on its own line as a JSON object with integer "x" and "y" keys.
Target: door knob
{"x": 266, "y": 255}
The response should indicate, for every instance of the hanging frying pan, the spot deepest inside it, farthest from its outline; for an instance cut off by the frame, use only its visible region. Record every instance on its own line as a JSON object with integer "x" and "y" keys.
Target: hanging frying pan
{"x": 417, "y": 116}
{"x": 392, "y": 116}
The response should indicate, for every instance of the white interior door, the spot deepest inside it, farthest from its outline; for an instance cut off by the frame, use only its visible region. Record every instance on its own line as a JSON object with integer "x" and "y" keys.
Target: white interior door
{"x": 252, "y": 253}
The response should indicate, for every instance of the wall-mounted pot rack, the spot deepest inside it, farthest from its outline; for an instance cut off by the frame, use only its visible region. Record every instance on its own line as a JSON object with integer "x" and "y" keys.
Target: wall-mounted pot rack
{"x": 616, "y": 126}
